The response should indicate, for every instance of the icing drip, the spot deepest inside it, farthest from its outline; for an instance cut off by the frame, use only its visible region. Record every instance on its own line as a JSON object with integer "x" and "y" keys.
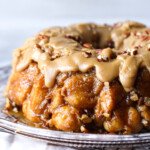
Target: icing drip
{"x": 60, "y": 50}
{"x": 77, "y": 62}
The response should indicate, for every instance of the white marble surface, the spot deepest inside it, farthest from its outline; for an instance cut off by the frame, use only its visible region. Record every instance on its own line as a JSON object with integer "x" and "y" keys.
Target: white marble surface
{"x": 20, "y": 19}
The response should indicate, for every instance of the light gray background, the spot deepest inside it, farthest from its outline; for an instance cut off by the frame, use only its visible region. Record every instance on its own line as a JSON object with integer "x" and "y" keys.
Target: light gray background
{"x": 20, "y": 19}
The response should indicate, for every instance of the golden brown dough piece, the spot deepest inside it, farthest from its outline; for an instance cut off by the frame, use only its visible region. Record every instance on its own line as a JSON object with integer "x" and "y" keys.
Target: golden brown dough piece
{"x": 77, "y": 92}
{"x": 21, "y": 84}
{"x": 66, "y": 118}
{"x": 84, "y": 78}
{"x": 143, "y": 83}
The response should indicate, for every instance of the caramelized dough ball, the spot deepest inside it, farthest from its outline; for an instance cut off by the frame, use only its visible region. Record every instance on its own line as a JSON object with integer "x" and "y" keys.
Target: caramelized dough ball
{"x": 28, "y": 112}
{"x": 110, "y": 95}
{"x": 66, "y": 118}
{"x": 115, "y": 124}
{"x": 35, "y": 105}
{"x": 145, "y": 112}
{"x": 56, "y": 99}
{"x": 143, "y": 82}
{"x": 125, "y": 120}
{"x": 134, "y": 120}
{"x": 20, "y": 84}
{"x": 38, "y": 95}
{"x": 79, "y": 91}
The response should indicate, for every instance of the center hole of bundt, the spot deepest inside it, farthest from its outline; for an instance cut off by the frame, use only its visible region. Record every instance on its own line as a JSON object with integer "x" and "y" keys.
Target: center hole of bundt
{"x": 93, "y": 42}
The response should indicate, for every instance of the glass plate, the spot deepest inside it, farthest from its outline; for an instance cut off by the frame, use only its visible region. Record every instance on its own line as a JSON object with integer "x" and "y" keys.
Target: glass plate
{"x": 76, "y": 140}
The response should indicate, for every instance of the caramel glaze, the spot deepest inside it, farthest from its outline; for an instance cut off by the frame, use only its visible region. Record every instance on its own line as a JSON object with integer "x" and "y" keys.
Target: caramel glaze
{"x": 84, "y": 46}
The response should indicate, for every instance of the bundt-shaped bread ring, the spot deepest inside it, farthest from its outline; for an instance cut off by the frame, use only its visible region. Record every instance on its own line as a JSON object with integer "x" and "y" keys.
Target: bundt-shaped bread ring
{"x": 84, "y": 78}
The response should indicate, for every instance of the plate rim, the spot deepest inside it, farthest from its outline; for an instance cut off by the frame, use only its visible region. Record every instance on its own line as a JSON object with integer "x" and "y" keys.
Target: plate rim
{"x": 7, "y": 124}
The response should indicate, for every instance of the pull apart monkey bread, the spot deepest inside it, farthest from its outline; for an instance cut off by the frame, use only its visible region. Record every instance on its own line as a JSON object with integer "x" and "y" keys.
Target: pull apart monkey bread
{"x": 84, "y": 78}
